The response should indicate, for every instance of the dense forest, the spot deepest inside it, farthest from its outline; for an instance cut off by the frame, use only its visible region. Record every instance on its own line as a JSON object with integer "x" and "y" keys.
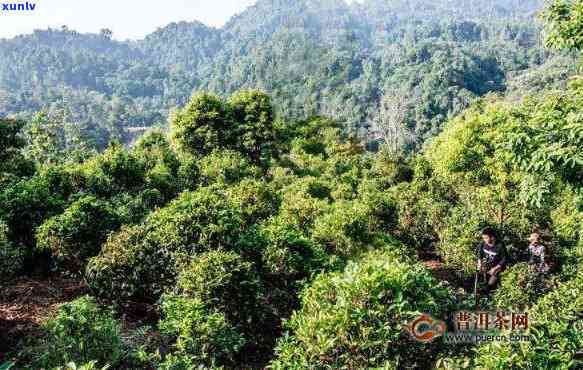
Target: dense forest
{"x": 259, "y": 228}
{"x": 313, "y": 57}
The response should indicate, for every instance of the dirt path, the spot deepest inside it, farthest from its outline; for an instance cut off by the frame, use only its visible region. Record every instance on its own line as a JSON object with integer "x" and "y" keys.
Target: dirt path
{"x": 26, "y": 302}
{"x": 437, "y": 268}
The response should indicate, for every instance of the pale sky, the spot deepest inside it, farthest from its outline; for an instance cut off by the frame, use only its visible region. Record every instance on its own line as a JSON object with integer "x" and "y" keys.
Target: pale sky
{"x": 131, "y": 19}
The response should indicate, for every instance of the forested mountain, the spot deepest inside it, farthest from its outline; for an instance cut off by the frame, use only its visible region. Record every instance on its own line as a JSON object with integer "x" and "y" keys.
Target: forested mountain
{"x": 355, "y": 63}
{"x": 239, "y": 238}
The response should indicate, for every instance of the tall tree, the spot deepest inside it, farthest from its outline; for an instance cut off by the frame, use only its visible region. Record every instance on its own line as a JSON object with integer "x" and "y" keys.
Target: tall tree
{"x": 390, "y": 120}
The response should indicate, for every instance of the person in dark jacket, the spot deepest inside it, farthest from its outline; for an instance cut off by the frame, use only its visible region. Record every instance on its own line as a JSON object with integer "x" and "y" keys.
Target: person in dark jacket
{"x": 492, "y": 258}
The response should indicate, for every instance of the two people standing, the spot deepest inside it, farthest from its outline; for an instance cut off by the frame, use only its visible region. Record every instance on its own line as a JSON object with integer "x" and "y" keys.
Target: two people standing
{"x": 493, "y": 257}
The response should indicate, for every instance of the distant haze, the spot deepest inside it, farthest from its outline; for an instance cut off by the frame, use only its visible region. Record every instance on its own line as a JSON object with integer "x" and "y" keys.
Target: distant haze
{"x": 128, "y": 19}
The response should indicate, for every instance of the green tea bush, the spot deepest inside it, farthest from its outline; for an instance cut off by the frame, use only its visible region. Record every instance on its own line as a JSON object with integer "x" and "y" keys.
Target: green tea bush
{"x": 11, "y": 257}
{"x": 389, "y": 169}
{"x": 142, "y": 261}
{"x": 133, "y": 208}
{"x": 556, "y": 339}
{"x": 201, "y": 338}
{"x": 299, "y": 207}
{"x": 518, "y": 289}
{"x": 353, "y": 319}
{"x": 288, "y": 260}
{"x": 77, "y": 234}
{"x": 113, "y": 171}
{"x": 153, "y": 148}
{"x": 459, "y": 239}
{"x": 252, "y": 116}
{"x": 27, "y": 204}
{"x": 201, "y": 126}
{"x": 80, "y": 332}
{"x": 421, "y": 208}
{"x": 226, "y": 167}
{"x": 345, "y": 229}
{"x": 382, "y": 206}
{"x": 225, "y": 282}
{"x": 254, "y": 199}
{"x": 567, "y": 217}
{"x": 163, "y": 179}
{"x": 188, "y": 173}
{"x": 131, "y": 265}
{"x": 288, "y": 253}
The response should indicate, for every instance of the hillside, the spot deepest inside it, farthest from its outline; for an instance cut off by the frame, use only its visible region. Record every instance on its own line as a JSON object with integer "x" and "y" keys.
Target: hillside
{"x": 238, "y": 237}
{"x": 312, "y": 57}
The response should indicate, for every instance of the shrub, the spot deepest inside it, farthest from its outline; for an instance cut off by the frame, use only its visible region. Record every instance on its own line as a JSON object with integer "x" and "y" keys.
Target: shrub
{"x": 188, "y": 173}
{"x": 225, "y": 167}
{"x": 201, "y": 126}
{"x": 153, "y": 149}
{"x": 225, "y": 282}
{"x": 518, "y": 289}
{"x": 354, "y": 319}
{"x": 77, "y": 234}
{"x": 299, "y": 207}
{"x": 203, "y": 338}
{"x": 164, "y": 179}
{"x": 254, "y": 200}
{"x": 421, "y": 207}
{"x": 555, "y": 339}
{"x": 252, "y": 115}
{"x": 196, "y": 221}
{"x": 80, "y": 332}
{"x": 26, "y": 204}
{"x": 389, "y": 169}
{"x": 132, "y": 208}
{"x": 11, "y": 258}
{"x": 288, "y": 253}
{"x": 130, "y": 265}
{"x": 345, "y": 229}
{"x": 459, "y": 239}
{"x": 382, "y": 207}
{"x": 567, "y": 216}
{"x": 288, "y": 260}
{"x": 141, "y": 261}
{"x": 113, "y": 171}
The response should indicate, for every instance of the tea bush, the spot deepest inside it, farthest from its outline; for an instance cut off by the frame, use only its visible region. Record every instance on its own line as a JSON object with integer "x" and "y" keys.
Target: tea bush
{"x": 113, "y": 171}
{"x": 141, "y": 261}
{"x": 288, "y": 260}
{"x": 299, "y": 207}
{"x": 28, "y": 203}
{"x": 518, "y": 289}
{"x": 556, "y": 339}
{"x": 130, "y": 265}
{"x": 353, "y": 319}
{"x": 77, "y": 234}
{"x": 201, "y": 337}
{"x": 226, "y": 167}
{"x": 223, "y": 281}
{"x": 459, "y": 239}
{"x": 287, "y": 253}
{"x": 254, "y": 199}
{"x": 345, "y": 229}
{"x": 201, "y": 126}
{"x": 11, "y": 257}
{"x": 80, "y": 332}
{"x": 133, "y": 208}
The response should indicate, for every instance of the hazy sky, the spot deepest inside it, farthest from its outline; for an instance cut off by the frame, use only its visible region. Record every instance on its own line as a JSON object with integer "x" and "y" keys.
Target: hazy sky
{"x": 126, "y": 18}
